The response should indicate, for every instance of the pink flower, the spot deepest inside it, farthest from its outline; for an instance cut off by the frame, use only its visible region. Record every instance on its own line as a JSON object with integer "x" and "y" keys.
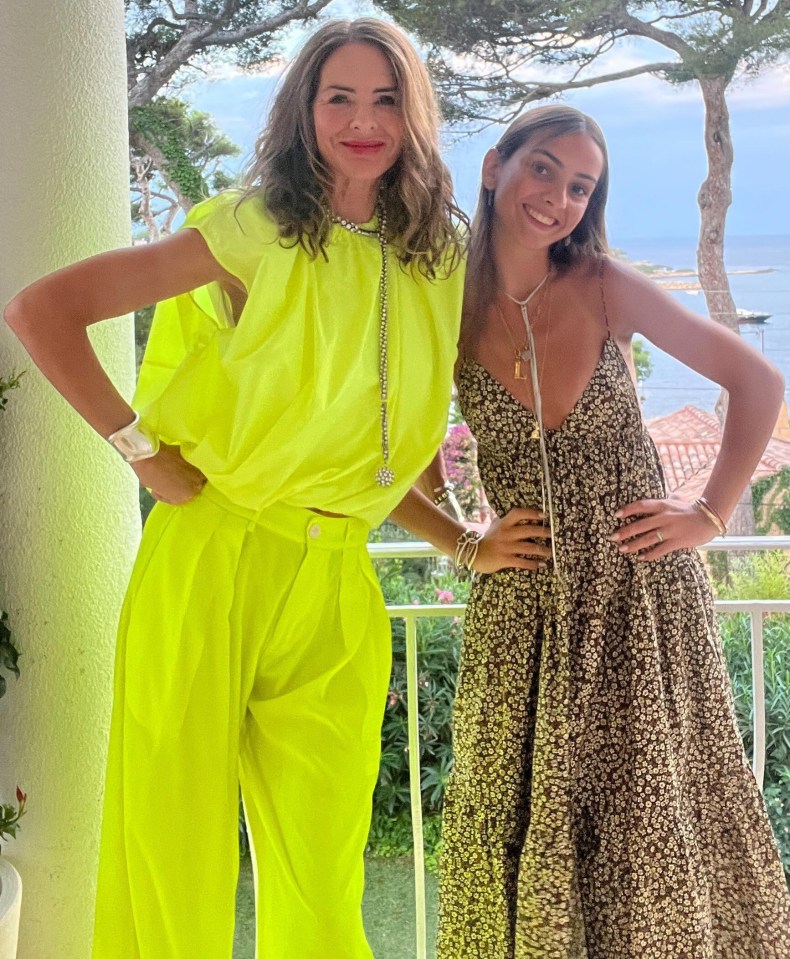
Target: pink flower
{"x": 444, "y": 596}
{"x": 415, "y": 602}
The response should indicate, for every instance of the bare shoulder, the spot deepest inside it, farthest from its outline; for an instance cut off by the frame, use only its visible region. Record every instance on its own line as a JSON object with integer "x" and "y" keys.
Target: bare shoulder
{"x": 630, "y": 297}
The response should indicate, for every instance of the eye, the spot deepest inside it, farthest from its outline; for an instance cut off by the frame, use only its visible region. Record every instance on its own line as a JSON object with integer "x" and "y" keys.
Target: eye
{"x": 388, "y": 100}
{"x": 579, "y": 190}
{"x": 338, "y": 98}
{"x": 540, "y": 168}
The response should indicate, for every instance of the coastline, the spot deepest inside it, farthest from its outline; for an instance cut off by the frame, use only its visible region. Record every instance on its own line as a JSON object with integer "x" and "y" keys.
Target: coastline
{"x": 670, "y": 279}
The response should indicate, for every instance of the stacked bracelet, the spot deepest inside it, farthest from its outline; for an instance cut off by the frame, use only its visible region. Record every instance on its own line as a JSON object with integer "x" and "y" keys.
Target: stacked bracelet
{"x": 443, "y": 493}
{"x": 704, "y": 507}
{"x": 466, "y": 548}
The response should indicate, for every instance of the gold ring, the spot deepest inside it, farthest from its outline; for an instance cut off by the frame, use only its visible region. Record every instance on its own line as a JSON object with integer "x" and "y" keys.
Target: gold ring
{"x": 659, "y": 537}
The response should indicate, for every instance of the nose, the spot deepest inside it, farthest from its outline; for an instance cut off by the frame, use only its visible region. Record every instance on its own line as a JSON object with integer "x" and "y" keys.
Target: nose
{"x": 363, "y": 119}
{"x": 557, "y": 197}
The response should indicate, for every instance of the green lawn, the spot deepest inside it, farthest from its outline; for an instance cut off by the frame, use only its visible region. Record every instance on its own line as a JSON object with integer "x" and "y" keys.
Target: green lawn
{"x": 388, "y": 910}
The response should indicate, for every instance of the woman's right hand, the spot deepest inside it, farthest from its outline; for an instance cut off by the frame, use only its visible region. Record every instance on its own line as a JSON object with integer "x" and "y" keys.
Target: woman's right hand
{"x": 519, "y": 540}
{"x": 169, "y": 477}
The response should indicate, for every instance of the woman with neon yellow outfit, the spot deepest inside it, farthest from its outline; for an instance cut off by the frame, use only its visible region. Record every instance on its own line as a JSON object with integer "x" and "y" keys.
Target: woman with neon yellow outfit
{"x": 296, "y": 383}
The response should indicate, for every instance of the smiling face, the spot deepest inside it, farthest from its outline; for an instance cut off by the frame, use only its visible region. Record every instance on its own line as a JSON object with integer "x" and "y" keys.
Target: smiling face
{"x": 357, "y": 116}
{"x": 542, "y": 191}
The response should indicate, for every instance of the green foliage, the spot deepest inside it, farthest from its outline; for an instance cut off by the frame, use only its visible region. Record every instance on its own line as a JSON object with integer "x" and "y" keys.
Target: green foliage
{"x": 6, "y": 385}
{"x": 407, "y": 582}
{"x": 643, "y": 362}
{"x": 764, "y": 576}
{"x": 772, "y": 503}
{"x": 142, "y": 328}
{"x": 188, "y": 139}
{"x": 9, "y": 655}
{"x": 759, "y": 576}
{"x": 160, "y": 33}
{"x": 716, "y": 39}
{"x": 391, "y": 837}
{"x": 737, "y": 647}
{"x": 11, "y": 814}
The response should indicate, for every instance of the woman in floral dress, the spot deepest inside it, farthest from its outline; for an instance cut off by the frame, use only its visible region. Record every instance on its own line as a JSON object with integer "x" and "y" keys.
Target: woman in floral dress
{"x": 601, "y": 806}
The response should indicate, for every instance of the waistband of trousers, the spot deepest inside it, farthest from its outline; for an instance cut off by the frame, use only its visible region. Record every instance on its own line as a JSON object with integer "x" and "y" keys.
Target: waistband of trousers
{"x": 297, "y": 522}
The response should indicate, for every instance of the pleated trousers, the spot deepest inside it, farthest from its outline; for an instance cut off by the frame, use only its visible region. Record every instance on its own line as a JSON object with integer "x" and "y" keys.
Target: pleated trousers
{"x": 252, "y": 651}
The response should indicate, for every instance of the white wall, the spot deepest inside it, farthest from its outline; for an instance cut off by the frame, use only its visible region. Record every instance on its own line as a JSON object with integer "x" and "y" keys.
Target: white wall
{"x": 68, "y": 517}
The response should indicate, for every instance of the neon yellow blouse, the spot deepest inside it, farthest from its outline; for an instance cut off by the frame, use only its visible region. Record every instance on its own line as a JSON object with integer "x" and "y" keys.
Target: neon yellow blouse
{"x": 284, "y": 406}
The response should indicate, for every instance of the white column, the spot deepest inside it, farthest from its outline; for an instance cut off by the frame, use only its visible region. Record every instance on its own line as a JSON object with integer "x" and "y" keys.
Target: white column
{"x": 68, "y": 517}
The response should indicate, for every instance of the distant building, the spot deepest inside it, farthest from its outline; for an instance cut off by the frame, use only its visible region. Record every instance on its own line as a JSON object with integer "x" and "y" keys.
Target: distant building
{"x": 688, "y": 443}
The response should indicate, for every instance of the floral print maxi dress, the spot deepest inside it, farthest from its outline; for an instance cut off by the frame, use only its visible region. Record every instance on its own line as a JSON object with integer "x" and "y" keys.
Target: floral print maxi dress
{"x": 601, "y": 806}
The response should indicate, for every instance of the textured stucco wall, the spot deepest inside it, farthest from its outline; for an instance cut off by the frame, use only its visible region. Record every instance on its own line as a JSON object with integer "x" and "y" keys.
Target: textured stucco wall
{"x": 68, "y": 517}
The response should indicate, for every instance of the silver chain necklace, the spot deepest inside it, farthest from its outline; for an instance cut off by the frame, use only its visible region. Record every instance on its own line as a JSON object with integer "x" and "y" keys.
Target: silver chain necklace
{"x": 384, "y": 474}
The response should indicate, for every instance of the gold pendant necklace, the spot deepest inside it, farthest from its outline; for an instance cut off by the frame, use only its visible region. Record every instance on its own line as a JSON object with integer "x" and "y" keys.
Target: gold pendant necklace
{"x": 526, "y": 354}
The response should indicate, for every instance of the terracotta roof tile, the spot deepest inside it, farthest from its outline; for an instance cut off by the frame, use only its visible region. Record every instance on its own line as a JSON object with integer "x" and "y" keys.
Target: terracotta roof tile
{"x": 688, "y": 442}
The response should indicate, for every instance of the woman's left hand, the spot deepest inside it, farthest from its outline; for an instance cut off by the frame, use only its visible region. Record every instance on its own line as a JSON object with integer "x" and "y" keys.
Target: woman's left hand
{"x": 664, "y": 525}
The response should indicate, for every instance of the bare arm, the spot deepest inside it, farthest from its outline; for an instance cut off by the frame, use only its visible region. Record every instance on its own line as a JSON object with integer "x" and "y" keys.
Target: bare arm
{"x": 754, "y": 385}
{"x": 51, "y": 317}
{"x": 518, "y": 540}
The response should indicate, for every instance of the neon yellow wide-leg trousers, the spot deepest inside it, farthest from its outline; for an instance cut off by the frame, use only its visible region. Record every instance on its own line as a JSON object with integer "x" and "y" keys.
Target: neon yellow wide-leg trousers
{"x": 251, "y": 651}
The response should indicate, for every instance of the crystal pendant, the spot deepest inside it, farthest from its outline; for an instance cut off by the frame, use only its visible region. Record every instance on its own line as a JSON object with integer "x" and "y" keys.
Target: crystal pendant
{"x": 385, "y": 476}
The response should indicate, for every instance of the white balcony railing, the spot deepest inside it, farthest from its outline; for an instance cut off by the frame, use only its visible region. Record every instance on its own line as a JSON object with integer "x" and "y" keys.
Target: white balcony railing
{"x": 756, "y": 609}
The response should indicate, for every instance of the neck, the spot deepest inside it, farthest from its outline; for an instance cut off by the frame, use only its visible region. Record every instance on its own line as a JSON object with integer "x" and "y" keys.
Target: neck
{"x": 519, "y": 271}
{"x": 354, "y": 200}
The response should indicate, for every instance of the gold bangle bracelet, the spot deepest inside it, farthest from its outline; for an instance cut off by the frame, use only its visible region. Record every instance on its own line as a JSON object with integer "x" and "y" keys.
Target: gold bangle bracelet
{"x": 716, "y": 513}
{"x": 702, "y": 506}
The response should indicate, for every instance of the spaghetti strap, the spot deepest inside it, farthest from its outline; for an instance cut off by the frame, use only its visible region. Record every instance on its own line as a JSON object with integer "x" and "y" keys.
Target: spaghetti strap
{"x": 603, "y": 297}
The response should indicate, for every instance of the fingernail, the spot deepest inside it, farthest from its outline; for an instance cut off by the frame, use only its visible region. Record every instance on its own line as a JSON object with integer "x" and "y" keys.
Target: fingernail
{"x": 613, "y": 538}
{"x": 619, "y": 514}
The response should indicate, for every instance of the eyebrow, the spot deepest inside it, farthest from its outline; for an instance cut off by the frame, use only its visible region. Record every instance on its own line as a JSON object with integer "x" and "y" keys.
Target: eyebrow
{"x": 582, "y": 176}
{"x": 337, "y": 86}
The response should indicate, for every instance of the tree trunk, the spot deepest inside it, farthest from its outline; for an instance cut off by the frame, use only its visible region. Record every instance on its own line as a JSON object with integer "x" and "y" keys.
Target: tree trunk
{"x": 714, "y": 198}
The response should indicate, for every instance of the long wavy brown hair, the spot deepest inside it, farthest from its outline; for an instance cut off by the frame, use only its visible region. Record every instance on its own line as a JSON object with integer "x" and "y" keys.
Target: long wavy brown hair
{"x": 588, "y": 239}
{"x": 289, "y": 174}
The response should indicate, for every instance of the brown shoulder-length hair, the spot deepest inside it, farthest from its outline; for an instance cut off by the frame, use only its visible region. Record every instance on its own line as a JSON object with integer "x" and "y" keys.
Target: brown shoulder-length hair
{"x": 289, "y": 175}
{"x": 588, "y": 239}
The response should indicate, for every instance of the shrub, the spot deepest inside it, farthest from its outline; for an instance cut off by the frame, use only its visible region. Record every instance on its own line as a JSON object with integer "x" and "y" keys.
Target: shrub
{"x": 763, "y": 576}
{"x": 407, "y": 582}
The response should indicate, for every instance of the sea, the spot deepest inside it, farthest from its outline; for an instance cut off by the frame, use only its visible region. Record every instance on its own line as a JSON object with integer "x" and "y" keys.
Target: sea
{"x": 671, "y": 385}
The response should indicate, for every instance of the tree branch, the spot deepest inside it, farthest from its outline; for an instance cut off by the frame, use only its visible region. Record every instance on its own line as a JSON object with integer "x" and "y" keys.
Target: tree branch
{"x": 200, "y": 35}
{"x": 530, "y": 91}
{"x": 633, "y": 25}
{"x": 307, "y": 11}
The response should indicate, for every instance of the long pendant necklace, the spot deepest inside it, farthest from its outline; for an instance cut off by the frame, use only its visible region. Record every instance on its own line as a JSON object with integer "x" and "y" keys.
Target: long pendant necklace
{"x": 539, "y": 433}
{"x": 384, "y": 474}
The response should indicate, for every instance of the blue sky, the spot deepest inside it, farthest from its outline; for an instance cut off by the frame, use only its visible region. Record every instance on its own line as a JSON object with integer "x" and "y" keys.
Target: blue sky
{"x": 654, "y": 133}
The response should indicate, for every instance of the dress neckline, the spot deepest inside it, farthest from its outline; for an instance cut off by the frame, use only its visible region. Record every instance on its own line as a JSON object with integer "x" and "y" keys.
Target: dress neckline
{"x": 579, "y": 400}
